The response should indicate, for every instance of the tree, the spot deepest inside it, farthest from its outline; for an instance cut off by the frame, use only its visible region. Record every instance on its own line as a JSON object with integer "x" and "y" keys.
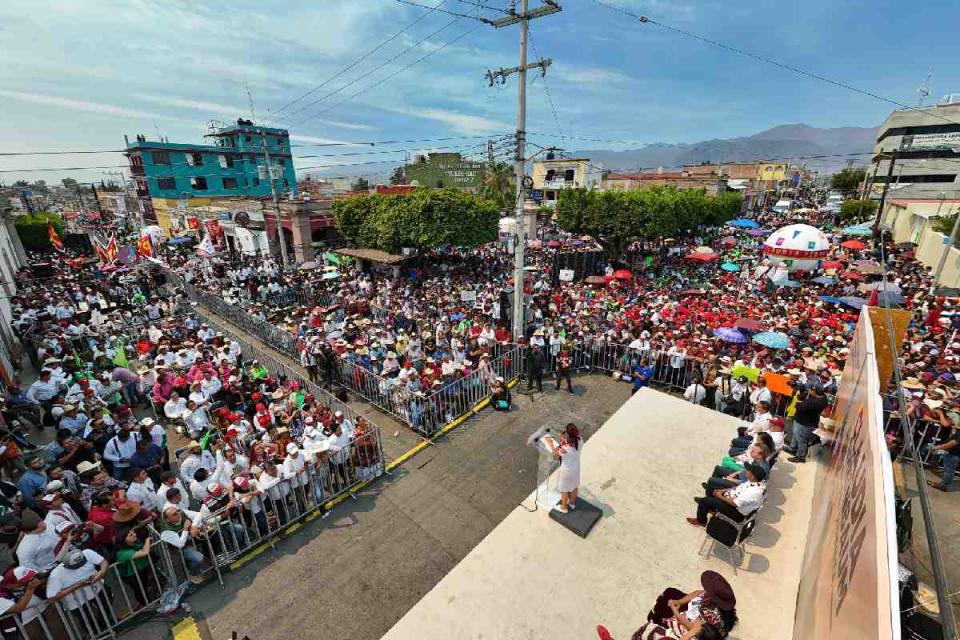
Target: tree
{"x": 360, "y": 185}
{"x": 398, "y": 177}
{"x": 424, "y": 219}
{"x": 40, "y": 186}
{"x": 616, "y": 219}
{"x": 498, "y": 185}
{"x": 32, "y": 229}
{"x": 854, "y": 211}
{"x": 848, "y": 180}
{"x": 69, "y": 184}
{"x": 21, "y": 183}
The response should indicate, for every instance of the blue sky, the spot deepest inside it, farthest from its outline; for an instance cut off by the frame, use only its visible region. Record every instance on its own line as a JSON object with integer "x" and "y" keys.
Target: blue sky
{"x": 79, "y": 74}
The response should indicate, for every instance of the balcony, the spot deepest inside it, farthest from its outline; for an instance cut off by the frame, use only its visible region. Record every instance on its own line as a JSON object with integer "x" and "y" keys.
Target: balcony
{"x": 137, "y": 170}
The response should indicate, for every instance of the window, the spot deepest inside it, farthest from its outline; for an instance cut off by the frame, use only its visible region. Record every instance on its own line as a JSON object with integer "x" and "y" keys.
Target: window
{"x": 281, "y": 144}
{"x": 226, "y": 162}
{"x": 256, "y": 181}
{"x": 166, "y": 183}
{"x": 551, "y": 175}
{"x": 247, "y": 138}
{"x": 229, "y": 183}
{"x": 281, "y": 162}
{"x": 199, "y": 183}
{"x": 160, "y": 157}
{"x": 286, "y": 183}
{"x": 569, "y": 175}
{"x": 194, "y": 159}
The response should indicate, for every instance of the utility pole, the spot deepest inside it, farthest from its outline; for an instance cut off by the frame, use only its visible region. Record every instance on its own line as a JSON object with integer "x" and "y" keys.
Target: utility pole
{"x": 524, "y": 17}
{"x": 883, "y": 196}
{"x": 276, "y": 203}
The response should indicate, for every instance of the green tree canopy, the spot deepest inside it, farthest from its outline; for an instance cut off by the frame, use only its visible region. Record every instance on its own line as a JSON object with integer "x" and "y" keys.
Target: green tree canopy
{"x": 618, "y": 218}
{"x": 499, "y": 185}
{"x": 854, "y": 211}
{"x": 361, "y": 184}
{"x": 848, "y": 180}
{"x": 398, "y": 176}
{"x": 425, "y": 219}
{"x": 32, "y": 229}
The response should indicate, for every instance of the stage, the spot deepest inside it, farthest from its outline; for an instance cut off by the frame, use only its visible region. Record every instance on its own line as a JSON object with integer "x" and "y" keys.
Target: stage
{"x": 531, "y": 578}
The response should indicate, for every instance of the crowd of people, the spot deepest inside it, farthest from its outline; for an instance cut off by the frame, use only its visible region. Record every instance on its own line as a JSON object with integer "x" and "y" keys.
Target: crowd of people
{"x": 144, "y": 419}
{"x": 93, "y": 476}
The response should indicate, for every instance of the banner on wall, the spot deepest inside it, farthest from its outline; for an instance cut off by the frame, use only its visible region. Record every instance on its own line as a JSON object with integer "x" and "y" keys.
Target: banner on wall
{"x": 848, "y": 582}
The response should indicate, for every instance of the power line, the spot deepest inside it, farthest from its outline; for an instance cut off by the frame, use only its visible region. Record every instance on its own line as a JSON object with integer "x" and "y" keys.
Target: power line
{"x": 394, "y": 74}
{"x": 546, "y": 88}
{"x": 482, "y": 6}
{"x": 359, "y": 60}
{"x": 362, "y": 77}
{"x": 776, "y": 63}
{"x": 480, "y": 19}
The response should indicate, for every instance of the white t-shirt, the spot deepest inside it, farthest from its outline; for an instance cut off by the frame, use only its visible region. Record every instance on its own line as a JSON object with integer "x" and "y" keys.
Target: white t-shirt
{"x": 37, "y": 551}
{"x": 62, "y": 577}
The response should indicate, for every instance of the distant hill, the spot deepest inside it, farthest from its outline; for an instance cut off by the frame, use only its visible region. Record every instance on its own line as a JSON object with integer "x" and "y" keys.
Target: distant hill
{"x": 780, "y": 143}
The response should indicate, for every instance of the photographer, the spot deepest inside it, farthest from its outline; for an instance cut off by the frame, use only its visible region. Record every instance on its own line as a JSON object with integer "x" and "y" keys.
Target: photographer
{"x": 810, "y": 405}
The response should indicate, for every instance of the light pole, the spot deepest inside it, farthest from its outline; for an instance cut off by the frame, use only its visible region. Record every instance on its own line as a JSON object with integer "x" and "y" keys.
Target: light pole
{"x": 947, "y": 246}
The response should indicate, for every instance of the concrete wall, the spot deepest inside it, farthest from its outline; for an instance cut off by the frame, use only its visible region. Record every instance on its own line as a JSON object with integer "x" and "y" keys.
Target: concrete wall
{"x": 930, "y": 250}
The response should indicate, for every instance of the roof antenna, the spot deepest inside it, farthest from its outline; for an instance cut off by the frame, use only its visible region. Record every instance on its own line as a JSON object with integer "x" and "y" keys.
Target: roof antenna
{"x": 924, "y": 91}
{"x": 253, "y": 115}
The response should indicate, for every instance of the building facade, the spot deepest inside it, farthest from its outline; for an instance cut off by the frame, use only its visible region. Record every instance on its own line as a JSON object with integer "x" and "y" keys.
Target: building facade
{"x": 552, "y": 175}
{"x": 683, "y": 180}
{"x": 233, "y": 164}
{"x": 927, "y": 142}
{"x": 445, "y": 170}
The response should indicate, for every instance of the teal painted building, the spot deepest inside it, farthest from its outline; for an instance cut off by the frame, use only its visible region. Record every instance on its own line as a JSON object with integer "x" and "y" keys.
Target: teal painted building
{"x": 232, "y": 164}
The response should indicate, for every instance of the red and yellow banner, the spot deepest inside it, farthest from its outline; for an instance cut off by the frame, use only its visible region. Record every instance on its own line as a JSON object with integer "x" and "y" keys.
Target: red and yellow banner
{"x": 55, "y": 238}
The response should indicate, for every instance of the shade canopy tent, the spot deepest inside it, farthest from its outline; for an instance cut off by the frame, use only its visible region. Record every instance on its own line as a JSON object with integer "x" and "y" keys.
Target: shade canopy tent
{"x": 744, "y": 223}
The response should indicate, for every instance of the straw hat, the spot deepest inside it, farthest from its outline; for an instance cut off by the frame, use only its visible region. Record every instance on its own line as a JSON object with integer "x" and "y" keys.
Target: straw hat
{"x": 912, "y": 383}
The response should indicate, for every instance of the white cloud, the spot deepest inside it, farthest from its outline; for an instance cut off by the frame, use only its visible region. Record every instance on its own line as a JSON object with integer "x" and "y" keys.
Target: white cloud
{"x": 459, "y": 122}
{"x": 187, "y": 103}
{"x": 591, "y": 75}
{"x": 86, "y": 106}
{"x": 317, "y": 140}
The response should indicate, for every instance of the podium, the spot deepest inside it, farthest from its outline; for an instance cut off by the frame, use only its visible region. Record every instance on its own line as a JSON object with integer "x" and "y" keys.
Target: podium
{"x": 547, "y": 495}
{"x": 580, "y": 520}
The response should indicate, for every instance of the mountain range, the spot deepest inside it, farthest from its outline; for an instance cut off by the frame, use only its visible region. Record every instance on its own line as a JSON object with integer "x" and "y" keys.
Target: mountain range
{"x": 798, "y": 143}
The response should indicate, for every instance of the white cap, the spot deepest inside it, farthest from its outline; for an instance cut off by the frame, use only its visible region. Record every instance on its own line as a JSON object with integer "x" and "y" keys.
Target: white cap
{"x": 292, "y": 448}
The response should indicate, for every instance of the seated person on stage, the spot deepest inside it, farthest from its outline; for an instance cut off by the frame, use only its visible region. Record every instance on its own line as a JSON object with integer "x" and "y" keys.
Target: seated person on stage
{"x": 736, "y": 503}
{"x": 728, "y": 477}
{"x": 775, "y": 432}
{"x": 709, "y": 613}
{"x": 761, "y": 418}
{"x": 501, "y": 399}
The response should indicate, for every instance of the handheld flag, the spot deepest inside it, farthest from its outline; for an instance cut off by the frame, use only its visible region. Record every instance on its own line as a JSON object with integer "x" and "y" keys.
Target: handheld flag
{"x": 145, "y": 247}
{"x": 205, "y": 248}
{"x": 55, "y": 238}
{"x": 120, "y": 359}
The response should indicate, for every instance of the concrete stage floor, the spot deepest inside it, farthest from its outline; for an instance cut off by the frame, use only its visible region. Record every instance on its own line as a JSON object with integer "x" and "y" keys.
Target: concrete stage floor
{"x": 531, "y": 578}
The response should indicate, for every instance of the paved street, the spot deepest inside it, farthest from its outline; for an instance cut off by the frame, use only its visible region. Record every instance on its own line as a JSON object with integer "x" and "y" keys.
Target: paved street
{"x": 374, "y": 557}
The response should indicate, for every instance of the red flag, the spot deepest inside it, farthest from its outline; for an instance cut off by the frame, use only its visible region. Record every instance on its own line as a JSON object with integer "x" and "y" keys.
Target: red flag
{"x": 55, "y": 238}
{"x": 144, "y": 247}
{"x": 874, "y": 299}
{"x": 111, "y": 249}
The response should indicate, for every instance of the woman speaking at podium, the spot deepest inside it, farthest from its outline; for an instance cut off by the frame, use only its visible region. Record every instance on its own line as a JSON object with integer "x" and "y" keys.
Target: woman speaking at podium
{"x": 568, "y": 452}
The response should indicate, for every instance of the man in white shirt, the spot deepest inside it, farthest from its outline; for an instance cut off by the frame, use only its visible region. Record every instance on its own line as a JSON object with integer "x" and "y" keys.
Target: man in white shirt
{"x": 142, "y": 491}
{"x": 761, "y": 393}
{"x": 195, "y": 459}
{"x": 696, "y": 392}
{"x": 79, "y": 579}
{"x": 120, "y": 448}
{"x": 175, "y": 408}
{"x": 736, "y": 503}
{"x": 169, "y": 480}
{"x": 37, "y": 548}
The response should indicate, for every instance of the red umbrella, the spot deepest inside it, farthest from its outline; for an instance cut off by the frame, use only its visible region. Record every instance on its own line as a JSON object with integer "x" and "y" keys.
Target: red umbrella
{"x": 702, "y": 257}
{"x": 856, "y": 245}
{"x": 748, "y": 324}
{"x": 729, "y": 240}
{"x": 852, "y": 275}
{"x": 832, "y": 264}
{"x": 623, "y": 274}
{"x": 553, "y": 244}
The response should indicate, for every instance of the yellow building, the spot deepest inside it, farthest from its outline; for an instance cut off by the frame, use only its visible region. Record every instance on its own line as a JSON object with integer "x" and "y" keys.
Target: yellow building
{"x": 552, "y": 175}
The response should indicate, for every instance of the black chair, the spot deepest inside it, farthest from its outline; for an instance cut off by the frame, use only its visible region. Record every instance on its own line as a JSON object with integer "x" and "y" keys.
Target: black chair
{"x": 729, "y": 533}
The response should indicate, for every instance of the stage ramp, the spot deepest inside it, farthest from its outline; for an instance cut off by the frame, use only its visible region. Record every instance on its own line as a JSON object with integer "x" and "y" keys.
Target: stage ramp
{"x": 531, "y": 578}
